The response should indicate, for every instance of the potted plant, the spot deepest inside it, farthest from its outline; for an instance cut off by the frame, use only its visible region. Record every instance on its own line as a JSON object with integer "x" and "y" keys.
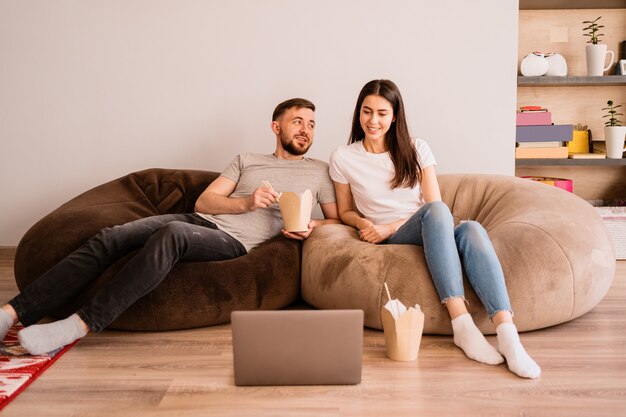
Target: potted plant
{"x": 595, "y": 51}
{"x": 614, "y": 132}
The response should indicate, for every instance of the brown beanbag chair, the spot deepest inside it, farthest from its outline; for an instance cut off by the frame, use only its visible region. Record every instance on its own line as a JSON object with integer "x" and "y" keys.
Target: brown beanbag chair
{"x": 194, "y": 294}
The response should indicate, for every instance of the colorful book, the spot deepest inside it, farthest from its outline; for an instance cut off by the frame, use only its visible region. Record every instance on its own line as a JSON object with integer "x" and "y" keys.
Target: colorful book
{"x": 533, "y": 118}
{"x": 541, "y": 153}
{"x": 532, "y": 109}
{"x": 563, "y": 183}
{"x": 552, "y": 144}
{"x": 544, "y": 133}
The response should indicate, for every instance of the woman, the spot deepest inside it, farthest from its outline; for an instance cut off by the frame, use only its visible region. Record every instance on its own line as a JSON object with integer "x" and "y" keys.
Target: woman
{"x": 386, "y": 187}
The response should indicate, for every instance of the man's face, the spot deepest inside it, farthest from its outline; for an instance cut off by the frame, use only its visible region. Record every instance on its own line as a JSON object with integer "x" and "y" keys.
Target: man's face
{"x": 295, "y": 129}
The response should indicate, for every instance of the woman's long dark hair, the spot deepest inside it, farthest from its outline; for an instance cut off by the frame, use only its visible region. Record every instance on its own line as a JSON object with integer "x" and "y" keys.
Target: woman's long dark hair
{"x": 401, "y": 149}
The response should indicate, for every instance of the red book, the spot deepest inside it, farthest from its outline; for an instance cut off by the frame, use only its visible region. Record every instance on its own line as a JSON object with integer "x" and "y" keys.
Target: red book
{"x": 529, "y": 119}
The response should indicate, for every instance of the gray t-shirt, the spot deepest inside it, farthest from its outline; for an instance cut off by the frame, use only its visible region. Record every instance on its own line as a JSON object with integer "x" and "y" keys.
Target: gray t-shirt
{"x": 249, "y": 170}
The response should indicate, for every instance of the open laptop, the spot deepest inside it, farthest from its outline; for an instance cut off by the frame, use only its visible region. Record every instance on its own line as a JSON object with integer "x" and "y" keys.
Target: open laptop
{"x": 297, "y": 347}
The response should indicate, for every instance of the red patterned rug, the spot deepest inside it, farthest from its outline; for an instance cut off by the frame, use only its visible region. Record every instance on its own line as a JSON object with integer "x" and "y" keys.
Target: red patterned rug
{"x": 18, "y": 368}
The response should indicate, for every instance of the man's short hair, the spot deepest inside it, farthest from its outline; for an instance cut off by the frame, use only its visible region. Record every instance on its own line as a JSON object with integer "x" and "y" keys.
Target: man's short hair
{"x": 287, "y": 104}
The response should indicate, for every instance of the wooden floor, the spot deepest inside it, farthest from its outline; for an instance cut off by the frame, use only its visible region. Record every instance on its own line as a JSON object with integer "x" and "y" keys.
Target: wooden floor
{"x": 189, "y": 373}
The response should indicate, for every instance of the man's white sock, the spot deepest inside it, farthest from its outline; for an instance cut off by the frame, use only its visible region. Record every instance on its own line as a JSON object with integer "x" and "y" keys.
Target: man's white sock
{"x": 42, "y": 338}
{"x": 6, "y": 322}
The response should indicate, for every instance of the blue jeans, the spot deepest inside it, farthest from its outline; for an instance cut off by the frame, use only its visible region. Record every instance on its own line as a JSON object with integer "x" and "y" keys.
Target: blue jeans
{"x": 445, "y": 246}
{"x": 162, "y": 242}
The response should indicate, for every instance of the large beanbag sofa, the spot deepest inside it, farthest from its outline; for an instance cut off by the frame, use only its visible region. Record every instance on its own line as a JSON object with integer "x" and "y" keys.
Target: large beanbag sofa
{"x": 557, "y": 257}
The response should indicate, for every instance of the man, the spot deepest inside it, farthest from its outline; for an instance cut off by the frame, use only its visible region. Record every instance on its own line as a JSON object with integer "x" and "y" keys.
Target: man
{"x": 233, "y": 216}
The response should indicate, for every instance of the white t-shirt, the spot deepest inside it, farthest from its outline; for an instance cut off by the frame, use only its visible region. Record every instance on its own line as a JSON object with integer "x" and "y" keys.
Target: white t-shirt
{"x": 369, "y": 176}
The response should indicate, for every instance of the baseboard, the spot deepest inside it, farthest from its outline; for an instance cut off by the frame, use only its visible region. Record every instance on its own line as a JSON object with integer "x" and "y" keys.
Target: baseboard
{"x": 7, "y": 253}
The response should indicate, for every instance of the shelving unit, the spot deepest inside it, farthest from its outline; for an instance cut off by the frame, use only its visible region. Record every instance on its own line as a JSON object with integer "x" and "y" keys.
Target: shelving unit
{"x": 571, "y": 162}
{"x": 607, "y": 80}
{"x": 576, "y": 98}
{"x": 571, "y": 4}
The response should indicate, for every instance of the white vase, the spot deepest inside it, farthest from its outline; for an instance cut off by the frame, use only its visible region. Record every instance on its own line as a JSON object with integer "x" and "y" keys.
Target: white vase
{"x": 534, "y": 65}
{"x": 596, "y": 55}
{"x": 614, "y": 141}
{"x": 556, "y": 65}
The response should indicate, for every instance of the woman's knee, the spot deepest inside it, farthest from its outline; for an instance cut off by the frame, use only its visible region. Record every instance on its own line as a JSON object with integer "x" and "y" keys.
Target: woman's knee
{"x": 469, "y": 229}
{"x": 437, "y": 211}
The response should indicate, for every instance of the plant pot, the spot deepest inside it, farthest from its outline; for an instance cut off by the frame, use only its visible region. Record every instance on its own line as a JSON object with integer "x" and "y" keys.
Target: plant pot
{"x": 614, "y": 138}
{"x": 596, "y": 56}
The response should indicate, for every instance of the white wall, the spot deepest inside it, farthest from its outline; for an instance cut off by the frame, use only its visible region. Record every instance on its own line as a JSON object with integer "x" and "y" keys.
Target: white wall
{"x": 92, "y": 90}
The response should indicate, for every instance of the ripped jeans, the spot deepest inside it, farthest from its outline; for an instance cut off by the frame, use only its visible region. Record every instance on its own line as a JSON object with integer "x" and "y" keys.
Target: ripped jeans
{"x": 445, "y": 246}
{"x": 162, "y": 242}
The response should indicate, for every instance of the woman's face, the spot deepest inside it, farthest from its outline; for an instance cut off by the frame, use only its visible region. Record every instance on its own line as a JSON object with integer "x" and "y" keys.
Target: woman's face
{"x": 376, "y": 117}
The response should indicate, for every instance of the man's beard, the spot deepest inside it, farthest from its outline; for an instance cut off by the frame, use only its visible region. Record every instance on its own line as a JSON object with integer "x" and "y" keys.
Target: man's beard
{"x": 291, "y": 147}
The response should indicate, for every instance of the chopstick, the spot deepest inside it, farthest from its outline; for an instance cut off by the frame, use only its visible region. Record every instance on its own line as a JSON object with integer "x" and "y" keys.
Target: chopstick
{"x": 268, "y": 185}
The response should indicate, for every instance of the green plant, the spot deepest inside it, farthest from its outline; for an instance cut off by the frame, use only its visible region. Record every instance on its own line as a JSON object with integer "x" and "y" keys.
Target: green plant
{"x": 612, "y": 114}
{"x": 593, "y": 28}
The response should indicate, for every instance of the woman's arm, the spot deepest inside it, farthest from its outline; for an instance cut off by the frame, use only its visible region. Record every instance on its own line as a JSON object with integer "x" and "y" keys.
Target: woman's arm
{"x": 429, "y": 184}
{"x": 369, "y": 232}
{"x": 345, "y": 206}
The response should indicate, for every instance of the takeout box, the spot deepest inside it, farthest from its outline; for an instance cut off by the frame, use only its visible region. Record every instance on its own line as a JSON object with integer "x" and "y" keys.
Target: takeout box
{"x": 403, "y": 330}
{"x": 295, "y": 210}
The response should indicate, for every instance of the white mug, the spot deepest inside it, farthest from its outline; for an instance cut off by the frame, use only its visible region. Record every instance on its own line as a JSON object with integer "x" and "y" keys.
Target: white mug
{"x": 596, "y": 56}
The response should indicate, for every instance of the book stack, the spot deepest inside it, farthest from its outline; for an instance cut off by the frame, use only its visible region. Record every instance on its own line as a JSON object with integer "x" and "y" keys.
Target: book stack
{"x": 538, "y": 137}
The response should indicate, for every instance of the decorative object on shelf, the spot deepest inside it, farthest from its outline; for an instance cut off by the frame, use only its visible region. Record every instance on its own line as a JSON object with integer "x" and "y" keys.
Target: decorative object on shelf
{"x": 580, "y": 140}
{"x": 613, "y": 213}
{"x": 556, "y": 64}
{"x": 534, "y": 64}
{"x": 620, "y": 68}
{"x": 596, "y": 52}
{"x": 562, "y": 183}
{"x": 614, "y": 132}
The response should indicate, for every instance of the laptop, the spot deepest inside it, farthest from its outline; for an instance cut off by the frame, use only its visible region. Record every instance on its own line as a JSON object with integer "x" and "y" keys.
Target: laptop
{"x": 297, "y": 347}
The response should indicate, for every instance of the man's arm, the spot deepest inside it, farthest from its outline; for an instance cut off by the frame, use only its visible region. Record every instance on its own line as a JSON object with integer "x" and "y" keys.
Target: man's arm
{"x": 216, "y": 198}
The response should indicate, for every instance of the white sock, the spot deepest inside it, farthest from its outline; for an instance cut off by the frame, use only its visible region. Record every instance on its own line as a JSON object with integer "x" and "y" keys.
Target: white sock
{"x": 517, "y": 359}
{"x": 42, "y": 338}
{"x": 6, "y": 322}
{"x": 469, "y": 338}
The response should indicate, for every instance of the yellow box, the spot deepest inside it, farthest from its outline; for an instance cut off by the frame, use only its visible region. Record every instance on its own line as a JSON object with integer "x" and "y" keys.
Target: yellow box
{"x": 579, "y": 143}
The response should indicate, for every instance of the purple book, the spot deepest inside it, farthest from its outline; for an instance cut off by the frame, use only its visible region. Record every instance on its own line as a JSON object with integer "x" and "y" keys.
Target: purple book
{"x": 533, "y": 118}
{"x": 544, "y": 133}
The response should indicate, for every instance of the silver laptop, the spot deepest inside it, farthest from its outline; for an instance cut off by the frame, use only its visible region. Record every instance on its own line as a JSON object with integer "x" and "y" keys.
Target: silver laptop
{"x": 297, "y": 347}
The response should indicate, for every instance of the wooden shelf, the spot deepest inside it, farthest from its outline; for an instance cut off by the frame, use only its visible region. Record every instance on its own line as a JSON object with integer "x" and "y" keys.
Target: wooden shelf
{"x": 570, "y": 162}
{"x": 570, "y": 81}
{"x": 571, "y": 4}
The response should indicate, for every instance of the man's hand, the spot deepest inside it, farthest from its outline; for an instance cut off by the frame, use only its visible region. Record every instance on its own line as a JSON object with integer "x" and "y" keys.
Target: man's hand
{"x": 302, "y": 235}
{"x": 262, "y": 197}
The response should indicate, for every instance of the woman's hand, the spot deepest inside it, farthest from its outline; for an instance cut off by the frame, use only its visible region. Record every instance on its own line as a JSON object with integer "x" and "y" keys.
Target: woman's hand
{"x": 377, "y": 233}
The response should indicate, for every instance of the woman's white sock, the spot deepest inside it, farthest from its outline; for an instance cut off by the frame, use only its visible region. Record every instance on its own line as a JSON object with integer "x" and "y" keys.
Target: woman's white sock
{"x": 517, "y": 359}
{"x": 470, "y": 339}
{"x": 42, "y": 338}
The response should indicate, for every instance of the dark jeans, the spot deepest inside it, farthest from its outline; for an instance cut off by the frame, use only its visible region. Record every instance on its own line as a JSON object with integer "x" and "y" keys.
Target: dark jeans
{"x": 163, "y": 241}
